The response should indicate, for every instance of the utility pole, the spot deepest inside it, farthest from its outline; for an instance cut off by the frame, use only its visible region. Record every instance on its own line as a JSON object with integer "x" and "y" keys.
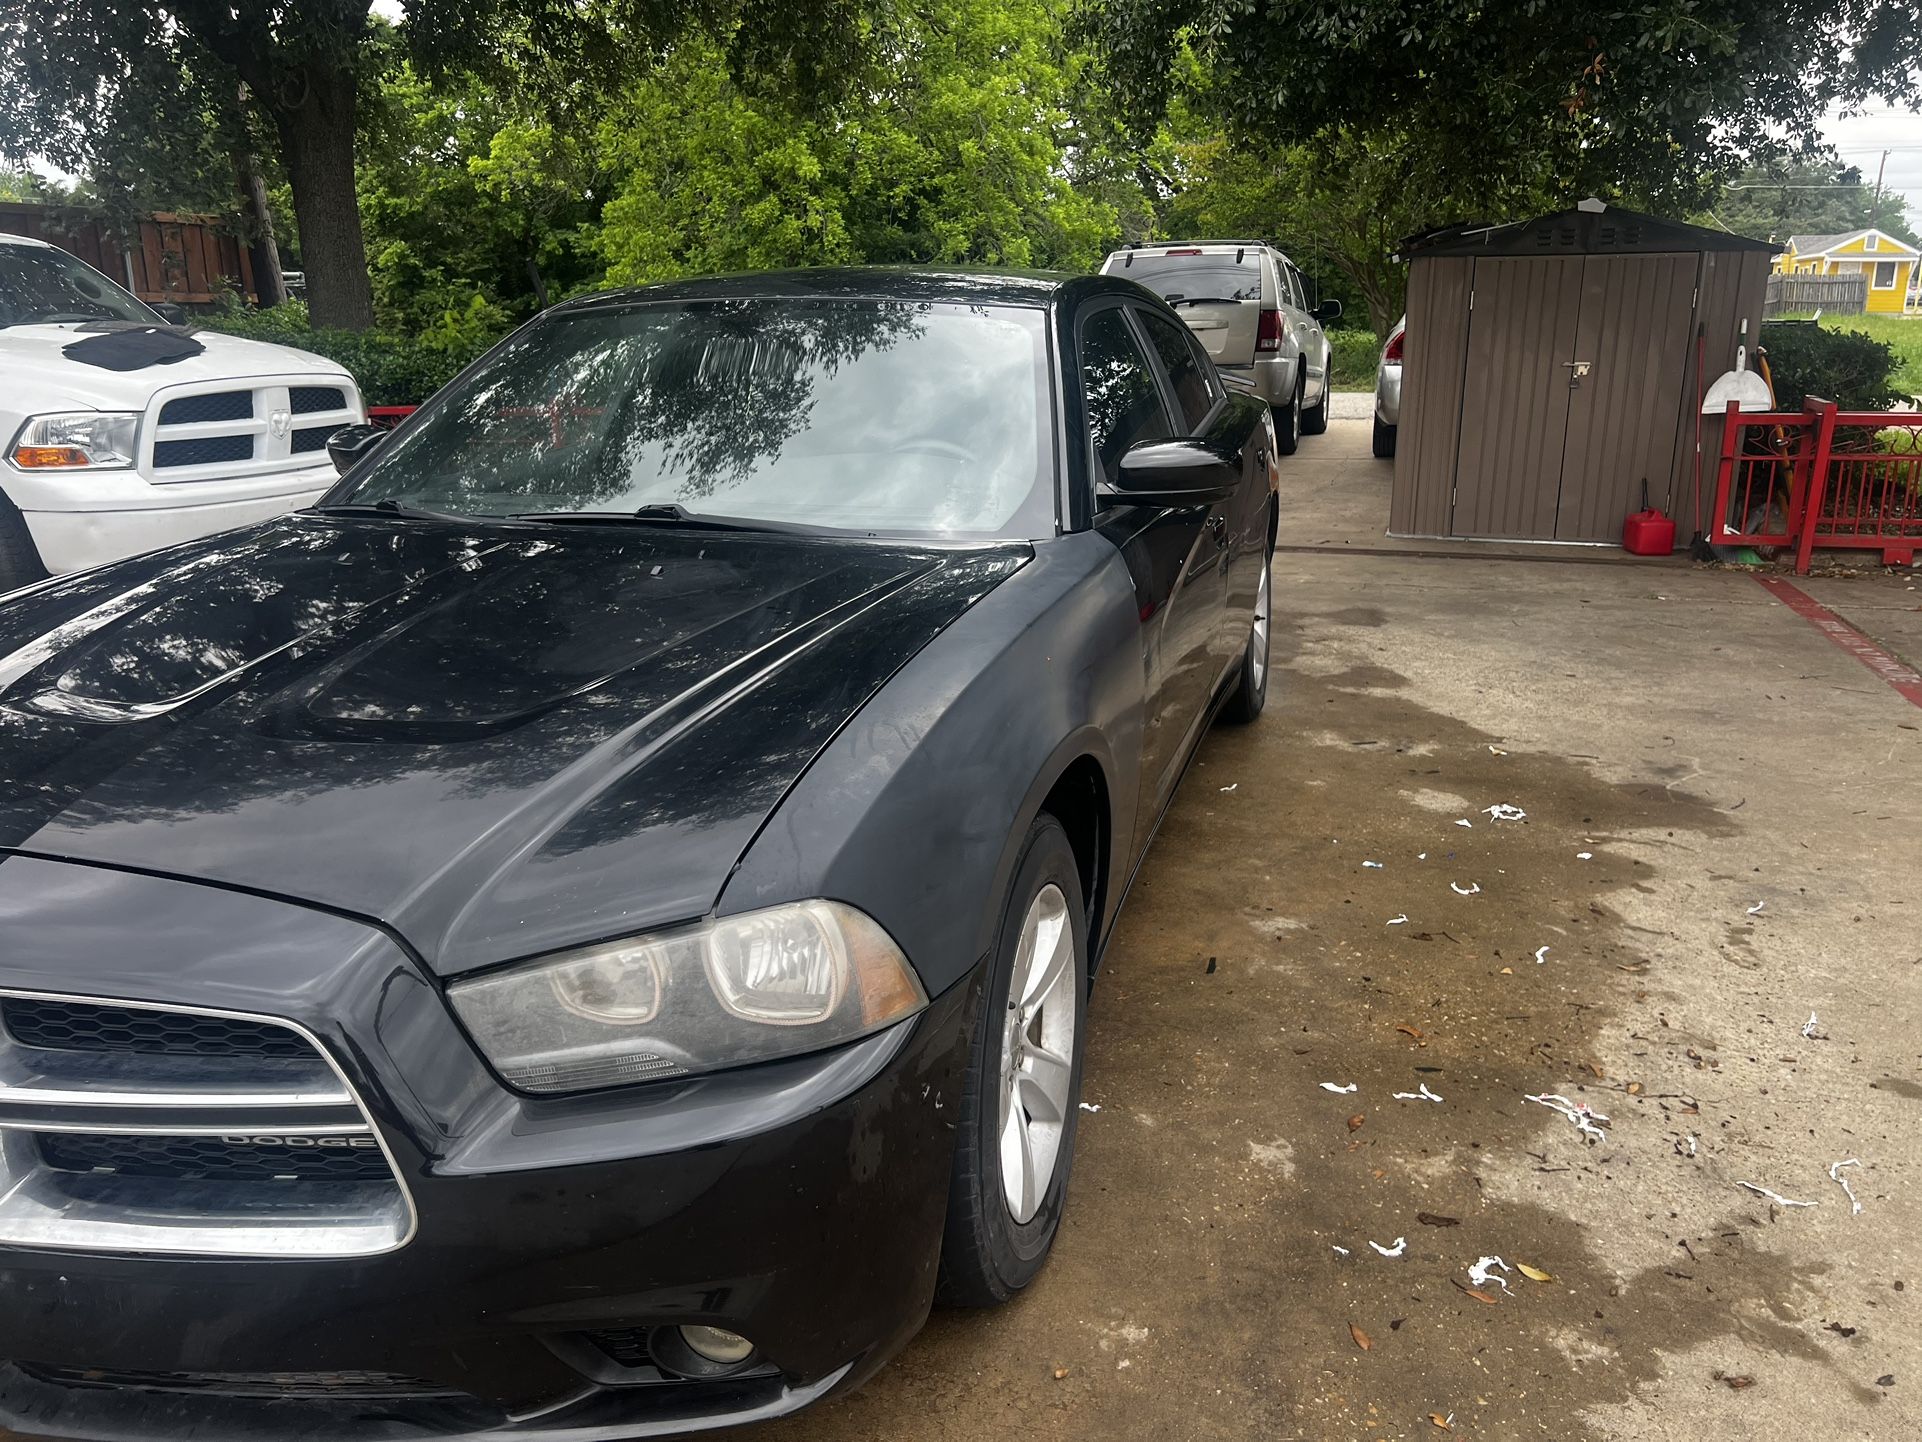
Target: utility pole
{"x": 1880, "y": 166}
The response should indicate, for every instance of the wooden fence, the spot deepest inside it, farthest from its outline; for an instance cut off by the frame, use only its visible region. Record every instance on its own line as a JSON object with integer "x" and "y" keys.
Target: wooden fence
{"x": 184, "y": 259}
{"x": 1835, "y": 294}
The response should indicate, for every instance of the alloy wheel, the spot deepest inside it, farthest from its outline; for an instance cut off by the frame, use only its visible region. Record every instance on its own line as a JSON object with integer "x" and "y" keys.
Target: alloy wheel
{"x": 1037, "y": 1051}
{"x": 1258, "y": 643}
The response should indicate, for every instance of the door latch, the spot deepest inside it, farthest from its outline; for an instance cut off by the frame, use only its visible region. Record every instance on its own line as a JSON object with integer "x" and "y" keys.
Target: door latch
{"x": 1576, "y": 371}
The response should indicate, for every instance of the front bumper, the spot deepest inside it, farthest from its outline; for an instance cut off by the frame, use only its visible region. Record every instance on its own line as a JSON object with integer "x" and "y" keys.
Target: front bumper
{"x": 799, "y": 1203}
{"x": 82, "y": 521}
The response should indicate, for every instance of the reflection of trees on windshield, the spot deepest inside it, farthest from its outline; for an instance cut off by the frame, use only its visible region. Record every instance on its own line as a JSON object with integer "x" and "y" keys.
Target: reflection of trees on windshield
{"x": 573, "y": 412}
{"x": 1124, "y": 405}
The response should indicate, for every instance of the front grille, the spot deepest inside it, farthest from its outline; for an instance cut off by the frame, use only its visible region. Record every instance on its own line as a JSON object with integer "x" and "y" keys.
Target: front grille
{"x": 305, "y": 400}
{"x": 625, "y": 1345}
{"x": 312, "y": 1159}
{"x": 219, "y": 406}
{"x": 206, "y": 451}
{"x": 141, "y": 1130}
{"x": 69, "y": 1026}
{"x": 349, "y": 1384}
{"x": 313, "y": 438}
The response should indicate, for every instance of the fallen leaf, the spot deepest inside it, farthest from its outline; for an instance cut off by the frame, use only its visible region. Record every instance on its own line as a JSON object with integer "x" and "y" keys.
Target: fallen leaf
{"x": 1477, "y": 1294}
{"x": 1736, "y": 1382}
{"x": 1632, "y": 967}
{"x": 1634, "y": 1089}
{"x": 1440, "y": 1421}
{"x": 1354, "y": 1122}
{"x": 1395, "y": 1326}
{"x": 1378, "y": 1174}
{"x": 1362, "y": 1339}
{"x": 1059, "y": 1373}
{"x": 1534, "y": 1274}
{"x": 1435, "y": 1219}
{"x": 1594, "y": 1070}
{"x": 1691, "y": 1110}
{"x": 1508, "y": 971}
{"x": 1414, "y": 1031}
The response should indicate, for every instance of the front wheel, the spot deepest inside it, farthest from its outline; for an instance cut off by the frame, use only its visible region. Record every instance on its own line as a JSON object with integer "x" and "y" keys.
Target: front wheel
{"x": 1250, "y": 695}
{"x": 1023, "y": 1093}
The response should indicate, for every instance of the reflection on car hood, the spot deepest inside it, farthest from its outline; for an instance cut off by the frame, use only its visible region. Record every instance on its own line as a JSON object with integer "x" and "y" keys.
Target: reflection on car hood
{"x": 498, "y": 740}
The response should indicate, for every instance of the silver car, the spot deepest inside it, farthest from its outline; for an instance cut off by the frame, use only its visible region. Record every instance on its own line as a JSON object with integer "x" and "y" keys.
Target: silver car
{"x": 1388, "y": 391}
{"x": 1252, "y": 312}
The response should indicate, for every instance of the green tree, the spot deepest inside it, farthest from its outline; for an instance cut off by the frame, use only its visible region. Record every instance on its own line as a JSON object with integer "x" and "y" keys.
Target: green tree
{"x": 1820, "y": 197}
{"x": 962, "y": 147}
{"x": 79, "y": 74}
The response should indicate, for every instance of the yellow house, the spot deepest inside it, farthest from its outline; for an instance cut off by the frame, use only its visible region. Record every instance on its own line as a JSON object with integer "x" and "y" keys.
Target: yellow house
{"x": 1890, "y": 265}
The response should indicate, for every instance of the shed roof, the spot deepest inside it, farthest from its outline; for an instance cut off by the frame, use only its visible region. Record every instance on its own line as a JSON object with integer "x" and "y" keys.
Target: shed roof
{"x": 1588, "y": 229}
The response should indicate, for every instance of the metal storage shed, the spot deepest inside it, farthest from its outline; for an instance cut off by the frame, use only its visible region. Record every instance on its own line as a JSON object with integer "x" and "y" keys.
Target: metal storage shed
{"x": 1549, "y": 367}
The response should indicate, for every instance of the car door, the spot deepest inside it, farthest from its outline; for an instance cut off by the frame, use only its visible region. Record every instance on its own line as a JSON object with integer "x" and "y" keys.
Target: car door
{"x": 1309, "y": 336}
{"x": 1172, "y": 553}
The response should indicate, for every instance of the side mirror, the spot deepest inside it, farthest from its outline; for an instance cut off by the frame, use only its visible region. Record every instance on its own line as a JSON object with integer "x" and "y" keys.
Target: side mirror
{"x": 1172, "y": 473}
{"x": 1328, "y": 310}
{"x": 171, "y": 313}
{"x": 350, "y": 445}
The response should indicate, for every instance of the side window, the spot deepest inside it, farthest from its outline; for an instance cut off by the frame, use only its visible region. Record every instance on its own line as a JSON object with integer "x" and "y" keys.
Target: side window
{"x": 1124, "y": 403}
{"x": 1294, "y": 285}
{"x": 1172, "y": 343}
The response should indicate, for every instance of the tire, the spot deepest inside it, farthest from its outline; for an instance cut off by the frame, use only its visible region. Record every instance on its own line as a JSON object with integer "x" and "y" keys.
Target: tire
{"x": 990, "y": 1250}
{"x": 1250, "y": 696}
{"x": 1384, "y": 439}
{"x": 1314, "y": 420}
{"x": 19, "y": 559}
{"x": 1288, "y": 424}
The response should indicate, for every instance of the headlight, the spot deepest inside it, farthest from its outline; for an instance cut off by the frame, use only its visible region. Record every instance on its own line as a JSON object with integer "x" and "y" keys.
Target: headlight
{"x": 100, "y": 440}
{"x": 740, "y": 989}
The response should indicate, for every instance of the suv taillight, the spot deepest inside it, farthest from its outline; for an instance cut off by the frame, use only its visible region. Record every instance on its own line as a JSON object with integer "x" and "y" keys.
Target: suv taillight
{"x": 1268, "y": 331}
{"x": 1393, "y": 354}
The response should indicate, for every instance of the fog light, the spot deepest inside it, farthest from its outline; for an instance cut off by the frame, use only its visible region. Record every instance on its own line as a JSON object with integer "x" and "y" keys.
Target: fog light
{"x": 717, "y": 1345}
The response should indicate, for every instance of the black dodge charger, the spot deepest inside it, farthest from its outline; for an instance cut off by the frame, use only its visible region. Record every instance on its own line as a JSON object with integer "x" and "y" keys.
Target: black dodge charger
{"x": 586, "y": 932}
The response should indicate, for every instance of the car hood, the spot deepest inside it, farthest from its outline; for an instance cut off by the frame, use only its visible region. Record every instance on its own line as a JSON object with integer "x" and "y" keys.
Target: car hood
{"x": 496, "y": 740}
{"x": 30, "y": 356}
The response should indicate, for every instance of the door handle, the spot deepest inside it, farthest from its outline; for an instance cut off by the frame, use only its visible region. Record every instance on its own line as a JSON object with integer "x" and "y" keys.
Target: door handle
{"x": 1576, "y": 371}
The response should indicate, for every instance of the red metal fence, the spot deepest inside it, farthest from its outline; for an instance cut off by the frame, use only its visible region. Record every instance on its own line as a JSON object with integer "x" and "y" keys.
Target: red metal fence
{"x": 1821, "y": 476}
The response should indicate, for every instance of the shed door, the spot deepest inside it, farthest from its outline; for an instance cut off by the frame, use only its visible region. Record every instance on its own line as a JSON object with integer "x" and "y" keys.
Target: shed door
{"x": 1515, "y": 394}
{"x": 1622, "y": 415}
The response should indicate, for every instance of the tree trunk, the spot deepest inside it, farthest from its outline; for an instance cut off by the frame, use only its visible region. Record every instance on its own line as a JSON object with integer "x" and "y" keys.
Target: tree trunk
{"x": 317, "y": 147}
{"x": 263, "y": 252}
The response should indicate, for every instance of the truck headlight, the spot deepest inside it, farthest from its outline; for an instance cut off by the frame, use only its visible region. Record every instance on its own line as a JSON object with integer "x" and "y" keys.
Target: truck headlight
{"x": 738, "y": 989}
{"x": 98, "y": 440}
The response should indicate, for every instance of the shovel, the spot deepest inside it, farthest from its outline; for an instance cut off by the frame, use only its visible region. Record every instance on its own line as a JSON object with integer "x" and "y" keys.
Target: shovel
{"x": 1741, "y": 385}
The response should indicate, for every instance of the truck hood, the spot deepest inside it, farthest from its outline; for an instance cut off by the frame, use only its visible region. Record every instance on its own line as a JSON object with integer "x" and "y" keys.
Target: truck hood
{"x": 497, "y": 740}
{"x": 38, "y": 376}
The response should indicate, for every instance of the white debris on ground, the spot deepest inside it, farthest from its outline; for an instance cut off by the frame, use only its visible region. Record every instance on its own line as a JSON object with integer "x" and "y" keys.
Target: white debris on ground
{"x": 1776, "y": 1197}
{"x": 1502, "y": 811}
{"x": 1340, "y": 1251}
{"x": 1808, "y": 1027}
{"x": 1584, "y": 856}
{"x": 1339, "y": 1089}
{"x": 1397, "y": 920}
{"x": 1482, "y": 1274}
{"x": 1401, "y": 1245}
{"x": 1466, "y": 822}
{"x": 1373, "y": 865}
{"x": 1835, "y": 1175}
{"x": 1474, "y": 888}
{"x": 1091, "y": 1106}
{"x": 1756, "y": 910}
{"x": 1231, "y": 788}
{"x": 1540, "y": 952}
{"x": 1581, "y": 1113}
{"x": 1422, "y": 1094}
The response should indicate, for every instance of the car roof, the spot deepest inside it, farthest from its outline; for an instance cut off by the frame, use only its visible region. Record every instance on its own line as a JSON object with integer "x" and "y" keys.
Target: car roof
{"x": 1161, "y": 248}
{"x": 8, "y": 239}
{"x": 870, "y": 282}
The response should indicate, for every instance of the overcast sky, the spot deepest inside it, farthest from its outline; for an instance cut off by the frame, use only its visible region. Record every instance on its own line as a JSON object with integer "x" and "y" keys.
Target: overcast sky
{"x": 1862, "y": 140}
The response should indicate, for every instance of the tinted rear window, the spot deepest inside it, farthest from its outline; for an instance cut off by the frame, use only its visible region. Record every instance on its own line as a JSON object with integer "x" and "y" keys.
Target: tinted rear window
{"x": 1197, "y": 277}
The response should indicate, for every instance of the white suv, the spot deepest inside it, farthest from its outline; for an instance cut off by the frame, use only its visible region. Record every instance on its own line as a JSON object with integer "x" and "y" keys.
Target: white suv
{"x": 1252, "y": 311}
{"x": 121, "y": 440}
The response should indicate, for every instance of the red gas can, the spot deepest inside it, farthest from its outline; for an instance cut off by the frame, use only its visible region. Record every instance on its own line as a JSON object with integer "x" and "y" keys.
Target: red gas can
{"x": 1648, "y": 532}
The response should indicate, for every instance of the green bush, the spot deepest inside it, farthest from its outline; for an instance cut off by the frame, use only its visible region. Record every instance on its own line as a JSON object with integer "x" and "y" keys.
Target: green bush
{"x": 1356, "y": 353}
{"x": 1854, "y": 370}
{"x": 391, "y": 370}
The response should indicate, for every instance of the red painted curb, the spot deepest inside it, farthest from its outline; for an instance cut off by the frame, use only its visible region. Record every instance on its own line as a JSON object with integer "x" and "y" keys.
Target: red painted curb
{"x": 1903, "y": 678}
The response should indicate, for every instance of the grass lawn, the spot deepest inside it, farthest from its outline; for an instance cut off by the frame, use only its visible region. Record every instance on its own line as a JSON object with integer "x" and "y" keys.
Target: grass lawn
{"x": 1902, "y": 334}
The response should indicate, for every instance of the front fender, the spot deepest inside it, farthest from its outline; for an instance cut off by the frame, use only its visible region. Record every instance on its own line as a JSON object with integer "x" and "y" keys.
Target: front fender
{"x": 915, "y": 810}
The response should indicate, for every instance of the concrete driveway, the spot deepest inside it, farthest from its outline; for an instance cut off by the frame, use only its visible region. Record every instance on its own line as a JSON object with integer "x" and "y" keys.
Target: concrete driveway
{"x": 1722, "y": 837}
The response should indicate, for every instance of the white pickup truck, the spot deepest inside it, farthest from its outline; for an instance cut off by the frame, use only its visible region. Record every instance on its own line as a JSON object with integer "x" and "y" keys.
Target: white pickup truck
{"x": 124, "y": 434}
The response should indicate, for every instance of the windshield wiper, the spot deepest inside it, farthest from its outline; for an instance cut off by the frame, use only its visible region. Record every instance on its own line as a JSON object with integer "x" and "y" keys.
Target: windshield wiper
{"x": 672, "y": 513}
{"x": 388, "y": 506}
{"x": 1202, "y": 300}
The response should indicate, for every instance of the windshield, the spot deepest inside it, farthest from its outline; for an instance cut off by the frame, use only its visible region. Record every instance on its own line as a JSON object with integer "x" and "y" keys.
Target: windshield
{"x": 867, "y": 416}
{"x": 40, "y": 286}
{"x": 1198, "y": 278}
